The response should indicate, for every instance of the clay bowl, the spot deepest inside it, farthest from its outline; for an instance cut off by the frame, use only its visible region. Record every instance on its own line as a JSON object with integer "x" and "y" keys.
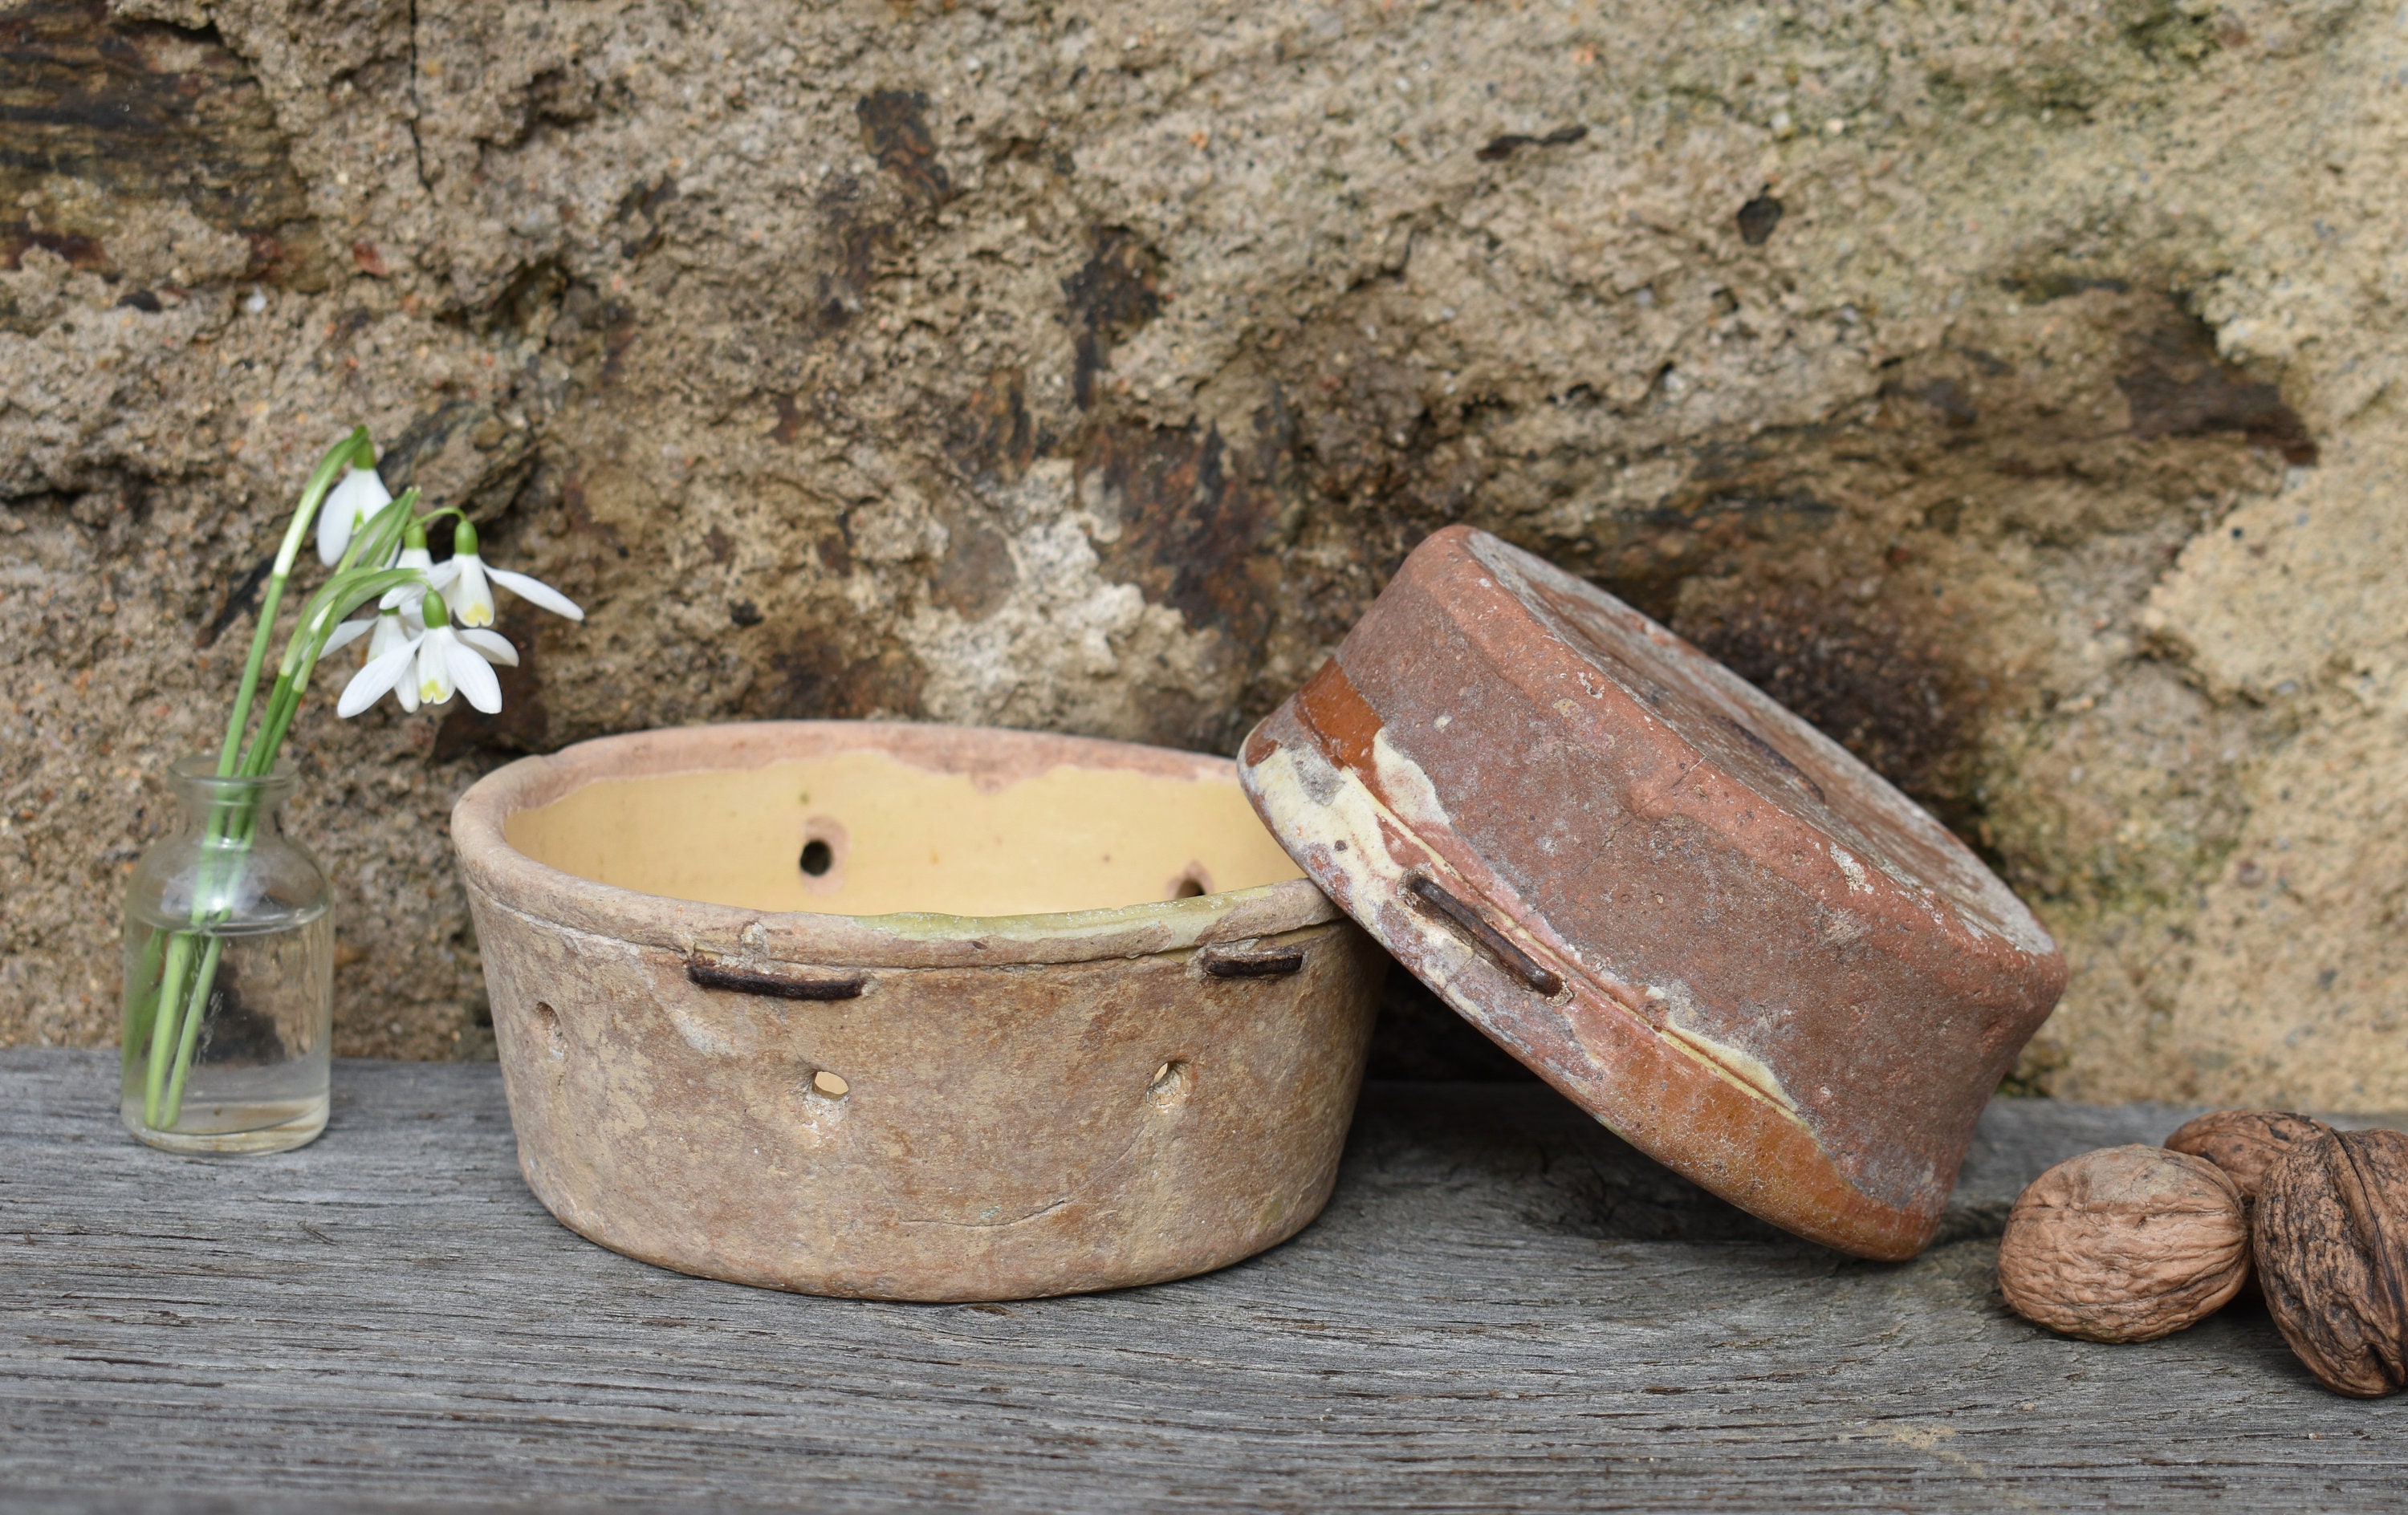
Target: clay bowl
{"x": 911, "y": 1012}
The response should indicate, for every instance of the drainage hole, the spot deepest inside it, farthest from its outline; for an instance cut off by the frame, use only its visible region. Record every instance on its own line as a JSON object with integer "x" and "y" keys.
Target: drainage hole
{"x": 830, "y": 1084}
{"x": 547, "y": 1020}
{"x": 818, "y": 857}
{"x": 1189, "y": 889}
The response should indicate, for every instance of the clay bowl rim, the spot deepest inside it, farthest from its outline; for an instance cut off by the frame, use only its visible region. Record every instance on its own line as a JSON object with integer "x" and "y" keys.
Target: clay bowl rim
{"x": 513, "y": 880}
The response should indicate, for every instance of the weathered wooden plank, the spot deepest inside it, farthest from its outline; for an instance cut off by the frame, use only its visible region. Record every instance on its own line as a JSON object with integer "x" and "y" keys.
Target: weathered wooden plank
{"x": 1503, "y": 1307}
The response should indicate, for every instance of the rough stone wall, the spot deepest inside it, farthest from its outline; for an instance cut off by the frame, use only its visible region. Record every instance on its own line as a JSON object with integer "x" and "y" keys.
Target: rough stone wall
{"x": 2013, "y": 389}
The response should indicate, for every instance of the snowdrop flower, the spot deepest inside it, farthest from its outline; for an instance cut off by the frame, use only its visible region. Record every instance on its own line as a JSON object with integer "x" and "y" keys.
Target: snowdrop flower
{"x": 468, "y": 582}
{"x": 348, "y": 507}
{"x": 428, "y": 666}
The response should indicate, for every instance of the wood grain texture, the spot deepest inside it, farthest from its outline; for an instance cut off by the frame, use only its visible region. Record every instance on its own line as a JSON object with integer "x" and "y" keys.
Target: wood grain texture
{"x": 1503, "y": 1307}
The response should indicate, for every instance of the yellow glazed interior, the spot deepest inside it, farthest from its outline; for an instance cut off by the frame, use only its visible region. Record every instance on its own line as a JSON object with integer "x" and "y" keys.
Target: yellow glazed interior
{"x": 888, "y": 837}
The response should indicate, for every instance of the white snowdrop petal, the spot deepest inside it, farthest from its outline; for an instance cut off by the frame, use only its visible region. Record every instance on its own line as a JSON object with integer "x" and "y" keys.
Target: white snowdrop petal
{"x": 492, "y": 646}
{"x": 350, "y": 632}
{"x": 476, "y": 678}
{"x": 368, "y": 685}
{"x": 473, "y": 600}
{"x": 391, "y": 632}
{"x": 360, "y": 495}
{"x": 535, "y": 592}
{"x": 433, "y": 674}
{"x": 364, "y": 490}
{"x": 334, "y": 533}
{"x": 410, "y": 595}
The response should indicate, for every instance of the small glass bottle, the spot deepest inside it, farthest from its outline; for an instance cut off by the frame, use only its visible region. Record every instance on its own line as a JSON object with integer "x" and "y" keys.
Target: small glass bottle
{"x": 228, "y": 926}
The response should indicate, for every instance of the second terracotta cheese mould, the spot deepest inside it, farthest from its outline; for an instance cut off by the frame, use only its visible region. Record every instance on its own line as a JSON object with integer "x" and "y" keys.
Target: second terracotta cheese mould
{"x": 1687, "y": 909}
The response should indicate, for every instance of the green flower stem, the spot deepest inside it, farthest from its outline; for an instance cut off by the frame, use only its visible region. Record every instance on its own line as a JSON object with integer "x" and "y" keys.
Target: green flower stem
{"x": 181, "y": 1014}
{"x": 163, "y": 1024}
{"x": 230, "y": 830}
{"x": 353, "y": 451}
{"x": 203, "y": 981}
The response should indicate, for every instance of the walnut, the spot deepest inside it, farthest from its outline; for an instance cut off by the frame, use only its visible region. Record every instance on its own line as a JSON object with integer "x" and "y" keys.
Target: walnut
{"x": 2332, "y": 1251}
{"x": 2125, "y": 1244}
{"x": 2244, "y": 1143}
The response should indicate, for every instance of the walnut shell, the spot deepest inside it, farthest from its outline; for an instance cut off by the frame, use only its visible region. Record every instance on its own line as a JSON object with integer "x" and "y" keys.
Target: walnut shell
{"x": 2244, "y": 1143}
{"x": 2332, "y": 1252}
{"x": 2125, "y": 1244}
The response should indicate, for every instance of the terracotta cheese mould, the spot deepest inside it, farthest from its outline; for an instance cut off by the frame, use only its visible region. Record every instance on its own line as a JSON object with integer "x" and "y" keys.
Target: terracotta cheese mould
{"x": 911, "y": 1012}
{"x": 1687, "y": 909}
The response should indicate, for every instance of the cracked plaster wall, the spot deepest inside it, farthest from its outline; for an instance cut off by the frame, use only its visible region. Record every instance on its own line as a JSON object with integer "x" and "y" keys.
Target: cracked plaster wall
{"x": 2015, "y": 390}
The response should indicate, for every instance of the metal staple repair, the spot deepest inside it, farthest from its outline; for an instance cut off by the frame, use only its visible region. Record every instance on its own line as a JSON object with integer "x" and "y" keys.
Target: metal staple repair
{"x": 1486, "y": 937}
{"x": 1275, "y": 964}
{"x": 711, "y": 975}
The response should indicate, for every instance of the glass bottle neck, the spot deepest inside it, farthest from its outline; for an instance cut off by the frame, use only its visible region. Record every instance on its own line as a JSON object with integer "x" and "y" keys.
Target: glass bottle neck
{"x": 236, "y": 809}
